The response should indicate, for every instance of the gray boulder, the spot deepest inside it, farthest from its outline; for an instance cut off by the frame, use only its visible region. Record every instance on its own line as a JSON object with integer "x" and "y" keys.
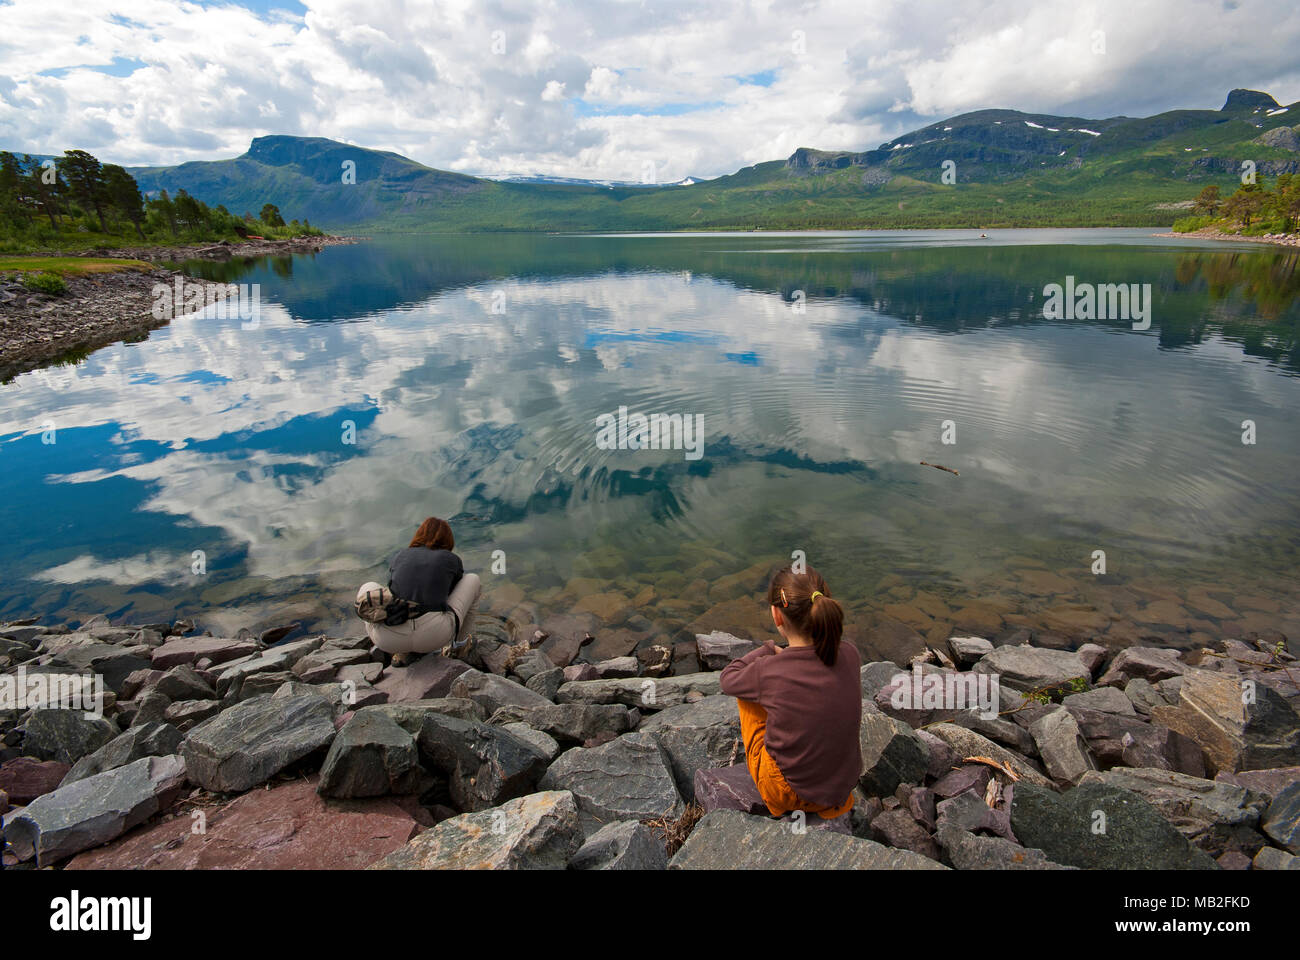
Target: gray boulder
{"x": 966, "y": 851}
{"x": 484, "y": 765}
{"x": 697, "y": 736}
{"x": 252, "y": 741}
{"x": 93, "y": 811}
{"x": 1031, "y": 668}
{"x": 629, "y": 778}
{"x": 731, "y": 840}
{"x": 625, "y": 845}
{"x": 536, "y": 832}
{"x": 1216, "y": 817}
{"x": 371, "y": 756}
{"x": 65, "y": 735}
{"x": 892, "y": 753}
{"x": 429, "y": 678}
{"x": 148, "y": 740}
{"x": 569, "y": 722}
{"x": 1096, "y": 826}
{"x": 492, "y": 692}
{"x": 1282, "y": 819}
{"x": 544, "y": 743}
{"x": 644, "y": 693}
{"x": 968, "y": 743}
{"x": 717, "y": 649}
{"x": 1064, "y": 752}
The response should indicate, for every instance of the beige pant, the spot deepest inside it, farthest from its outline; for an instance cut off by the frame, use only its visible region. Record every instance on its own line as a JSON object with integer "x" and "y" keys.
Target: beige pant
{"x": 433, "y": 631}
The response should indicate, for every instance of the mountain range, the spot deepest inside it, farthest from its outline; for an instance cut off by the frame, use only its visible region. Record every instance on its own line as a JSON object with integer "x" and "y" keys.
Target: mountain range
{"x": 988, "y": 168}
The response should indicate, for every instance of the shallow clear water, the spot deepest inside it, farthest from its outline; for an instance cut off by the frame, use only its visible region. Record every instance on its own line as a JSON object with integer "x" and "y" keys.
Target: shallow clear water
{"x": 474, "y": 370}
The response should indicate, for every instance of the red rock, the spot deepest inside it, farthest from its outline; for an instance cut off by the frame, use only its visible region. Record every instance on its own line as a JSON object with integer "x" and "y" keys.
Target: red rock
{"x": 216, "y": 650}
{"x": 26, "y": 778}
{"x": 429, "y": 678}
{"x": 286, "y": 828}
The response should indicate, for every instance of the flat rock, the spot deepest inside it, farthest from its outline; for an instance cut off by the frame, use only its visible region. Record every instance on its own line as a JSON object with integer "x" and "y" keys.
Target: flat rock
{"x": 717, "y": 649}
{"x": 536, "y": 832}
{"x": 492, "y": 692}
{"x": 728, "y": 788}
{"x": 1147, "y": 663}
{"x": 544, "y": 743}
{"x": 644, "y": 693}
{"x": 95, "y": 810}
{"x": 26, "y": 778}
{"x": 569, "y": 722}
{"x": 1269, "y": 782}
{"x": 626, "y": 845}
{"x": 287, "y": 827}
{"x": 1031, "y": 668}
{"x": 731, "y": 840}
{"x": 1105, "y": 699}
{"x": 1216, "y": 817}
{"x": 966, "y": 851}
{"x": 252, "y": 741}
{"x": 1096, "y": 826}
{"x": 968, "y": 650}
{"x": 429, "y": 678}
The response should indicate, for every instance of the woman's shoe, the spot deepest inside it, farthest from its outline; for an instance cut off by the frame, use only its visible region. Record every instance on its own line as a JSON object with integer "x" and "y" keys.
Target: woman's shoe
{"x": 400, "y": 660}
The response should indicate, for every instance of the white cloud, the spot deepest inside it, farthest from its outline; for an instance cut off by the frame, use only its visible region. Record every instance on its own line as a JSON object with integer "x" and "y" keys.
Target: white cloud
{"x": 515, "y": 86}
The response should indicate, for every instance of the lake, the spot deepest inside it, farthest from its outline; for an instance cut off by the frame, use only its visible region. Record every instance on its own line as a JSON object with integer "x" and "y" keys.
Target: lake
{"x": 248, "y": 477}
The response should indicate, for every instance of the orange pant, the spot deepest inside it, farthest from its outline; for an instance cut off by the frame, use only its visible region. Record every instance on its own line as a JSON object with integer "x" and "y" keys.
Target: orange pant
{"x": 771, "y": 783}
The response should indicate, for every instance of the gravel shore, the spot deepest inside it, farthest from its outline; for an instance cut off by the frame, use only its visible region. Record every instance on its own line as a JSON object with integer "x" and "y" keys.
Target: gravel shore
{"x": 100, "y": 309}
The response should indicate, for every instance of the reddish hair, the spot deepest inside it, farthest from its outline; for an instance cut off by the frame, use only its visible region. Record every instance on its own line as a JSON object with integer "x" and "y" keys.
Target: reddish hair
{"x": 821, "y": 620}
{"x": 434, "y": 533}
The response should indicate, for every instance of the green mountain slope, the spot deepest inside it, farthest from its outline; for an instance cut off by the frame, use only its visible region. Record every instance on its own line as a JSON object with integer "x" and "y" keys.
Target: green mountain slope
{"x": 1010, "y": 169}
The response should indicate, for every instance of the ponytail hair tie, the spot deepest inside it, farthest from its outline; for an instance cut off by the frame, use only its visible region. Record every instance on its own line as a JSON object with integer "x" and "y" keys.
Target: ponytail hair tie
{"x": 816, "y": 594}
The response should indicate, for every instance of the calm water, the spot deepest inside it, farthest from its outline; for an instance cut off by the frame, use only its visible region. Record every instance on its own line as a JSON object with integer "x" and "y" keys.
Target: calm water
{"x": 473, "y": 371}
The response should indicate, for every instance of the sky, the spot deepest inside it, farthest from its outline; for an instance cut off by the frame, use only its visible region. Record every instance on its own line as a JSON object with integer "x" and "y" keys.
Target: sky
{"x": 605, "y": 89}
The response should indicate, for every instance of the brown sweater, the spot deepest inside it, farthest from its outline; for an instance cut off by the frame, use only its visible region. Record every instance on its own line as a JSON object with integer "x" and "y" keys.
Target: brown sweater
{"x": 813, "y": 715}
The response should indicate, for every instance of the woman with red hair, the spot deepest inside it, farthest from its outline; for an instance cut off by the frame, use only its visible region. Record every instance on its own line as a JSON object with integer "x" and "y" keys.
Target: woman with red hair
{"x": 430, "y": 576}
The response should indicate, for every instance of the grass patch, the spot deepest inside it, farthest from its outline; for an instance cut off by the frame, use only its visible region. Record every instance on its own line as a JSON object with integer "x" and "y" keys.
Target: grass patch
{"x": 71, "y": 266}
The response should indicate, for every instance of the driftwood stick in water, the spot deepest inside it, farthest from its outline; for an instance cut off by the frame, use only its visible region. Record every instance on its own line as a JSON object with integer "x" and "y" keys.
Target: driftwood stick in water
{"x": 941, "y": 467}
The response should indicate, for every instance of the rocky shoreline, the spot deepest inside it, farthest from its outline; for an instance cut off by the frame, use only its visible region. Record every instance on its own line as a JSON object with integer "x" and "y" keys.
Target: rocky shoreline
{"x": 276, "y": 752}
{"x": 100, "y": 309}
{"x": 225, "y": 250}
{"x": 1276, "y": 239}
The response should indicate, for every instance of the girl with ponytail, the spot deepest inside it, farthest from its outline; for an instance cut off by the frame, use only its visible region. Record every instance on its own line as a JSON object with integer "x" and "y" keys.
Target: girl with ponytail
{"x": 801, "y": 705}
